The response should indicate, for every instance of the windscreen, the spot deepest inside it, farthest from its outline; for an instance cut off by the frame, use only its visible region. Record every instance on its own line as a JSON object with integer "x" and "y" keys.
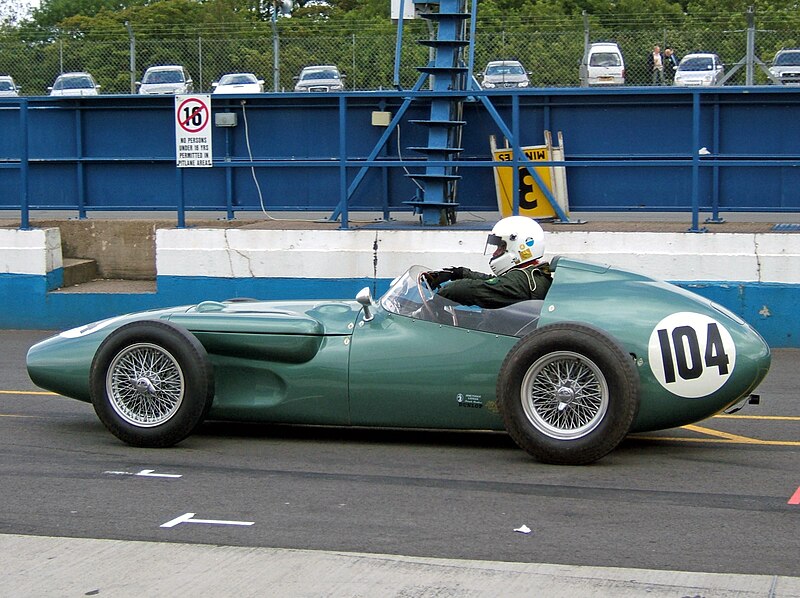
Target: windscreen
{"x": 699, "y": 63}
{"x": 605, "y": 59}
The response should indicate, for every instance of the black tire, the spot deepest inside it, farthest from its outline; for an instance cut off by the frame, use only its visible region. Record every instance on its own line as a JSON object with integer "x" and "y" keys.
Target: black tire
{"x": 568, "y": 393}
{"x": 151, "y": 383}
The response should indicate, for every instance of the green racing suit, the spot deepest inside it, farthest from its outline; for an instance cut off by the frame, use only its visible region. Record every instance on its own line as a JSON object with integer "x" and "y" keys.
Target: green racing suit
{"x": 490, "y": 292}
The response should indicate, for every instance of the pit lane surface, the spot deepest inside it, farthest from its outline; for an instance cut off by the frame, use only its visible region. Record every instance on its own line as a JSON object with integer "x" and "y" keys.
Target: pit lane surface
{"x": 721, "y": 496}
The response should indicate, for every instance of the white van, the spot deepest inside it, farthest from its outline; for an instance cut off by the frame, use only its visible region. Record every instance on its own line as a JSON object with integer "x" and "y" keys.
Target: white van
{"x": 603, "y": 64}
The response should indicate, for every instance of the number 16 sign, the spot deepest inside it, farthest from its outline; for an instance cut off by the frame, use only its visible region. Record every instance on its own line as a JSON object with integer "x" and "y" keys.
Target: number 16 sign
{"x": 193, "y": 131}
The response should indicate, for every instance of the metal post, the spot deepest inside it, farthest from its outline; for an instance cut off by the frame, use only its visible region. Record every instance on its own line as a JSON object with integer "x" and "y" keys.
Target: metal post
{"x": 398, "y": 46}
{"x": 715, "y": 217}
{"x": 132, "y": 40}
{"x": 276, "y": 68}
{"x": 229, "y": 173}
{"x": 200, "y": 60}
{"x": 79, "y": 174}
{"x": 343, "y": 161}
{"x": 516, "y": 157}
{"x": 695, "y": 147}
{"x": 584, "y": 66}
{"x": 473, "y": 24}
{"x": 585, "y": 34}
{"x": 181, "y": 199}
{"x": 24, "y": 216}
{"x": 751, "y": 45}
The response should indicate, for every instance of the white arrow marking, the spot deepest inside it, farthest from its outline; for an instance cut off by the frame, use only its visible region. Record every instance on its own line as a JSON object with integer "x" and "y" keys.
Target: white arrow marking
{"x": 187, "y": 518}
{"x": 149, "y": 473}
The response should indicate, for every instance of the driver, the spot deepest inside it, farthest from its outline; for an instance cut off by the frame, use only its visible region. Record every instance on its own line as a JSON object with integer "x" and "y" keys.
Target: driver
{"x": 518, "y": 244}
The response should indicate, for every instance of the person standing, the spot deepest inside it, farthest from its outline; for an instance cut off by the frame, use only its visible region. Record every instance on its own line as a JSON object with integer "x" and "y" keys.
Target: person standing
{"x": 670, "y": 64}
{"x": 656, "y": 65}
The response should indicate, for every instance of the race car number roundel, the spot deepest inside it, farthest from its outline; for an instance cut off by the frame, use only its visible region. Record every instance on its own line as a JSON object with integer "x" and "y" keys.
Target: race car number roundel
{"x": 691, "y": 355}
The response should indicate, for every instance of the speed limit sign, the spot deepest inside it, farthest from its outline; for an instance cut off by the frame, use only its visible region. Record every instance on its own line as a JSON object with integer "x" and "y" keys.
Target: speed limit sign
{"x": 193, "y": 131}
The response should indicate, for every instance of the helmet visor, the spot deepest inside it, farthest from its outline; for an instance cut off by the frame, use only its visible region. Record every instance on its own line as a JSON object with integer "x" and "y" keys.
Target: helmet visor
{"x": 497, "y": 245}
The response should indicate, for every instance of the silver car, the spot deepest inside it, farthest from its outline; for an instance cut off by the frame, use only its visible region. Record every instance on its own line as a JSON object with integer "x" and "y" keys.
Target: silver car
{"x": 786, "y": 66}
{"x": 8, "y": 89}
{"x": 171, "y": 79}
{"x": 234, "y": 83}
{"x": 319, "y": 78}
{"x": 74, "y": 84}
{"x": 504, "y": 73}
{"x": 699, "y": 70}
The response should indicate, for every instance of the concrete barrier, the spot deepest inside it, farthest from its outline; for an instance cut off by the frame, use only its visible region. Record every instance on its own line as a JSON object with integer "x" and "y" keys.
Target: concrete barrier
{"x": 753, "y": 274}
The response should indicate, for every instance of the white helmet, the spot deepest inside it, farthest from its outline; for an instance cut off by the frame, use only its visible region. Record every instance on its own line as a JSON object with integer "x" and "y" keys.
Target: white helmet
{"x": 515, "y": 240}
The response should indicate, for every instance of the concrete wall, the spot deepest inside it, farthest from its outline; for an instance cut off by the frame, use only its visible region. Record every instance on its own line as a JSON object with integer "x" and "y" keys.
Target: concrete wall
{"x": 753, "y": 274}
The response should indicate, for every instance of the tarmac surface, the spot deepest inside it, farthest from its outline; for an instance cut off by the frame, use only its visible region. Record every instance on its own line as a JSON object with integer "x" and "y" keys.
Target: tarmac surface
{"x": 66, "y": 566}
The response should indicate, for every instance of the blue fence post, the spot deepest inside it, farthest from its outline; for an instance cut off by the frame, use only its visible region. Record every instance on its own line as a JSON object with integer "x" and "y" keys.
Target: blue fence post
{"x": 715, "y": 218}
{"x": 79, "y": 176}
{"x": 24, "y": 216}
{"x": 343, "y": 160}
{"x": 228, "y": 173}
{"x": 695, "y": 149}
{"x": 515, "y": 143}
{"x": 181, "y": 201}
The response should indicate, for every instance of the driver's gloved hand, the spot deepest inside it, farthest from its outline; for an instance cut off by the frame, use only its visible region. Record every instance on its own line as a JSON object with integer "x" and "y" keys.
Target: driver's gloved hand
{"x": 456, "y": 272}
{"x": 437, "y": 278}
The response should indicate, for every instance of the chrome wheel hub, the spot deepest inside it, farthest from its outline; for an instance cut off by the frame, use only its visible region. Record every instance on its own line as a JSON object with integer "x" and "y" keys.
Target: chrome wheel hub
{"x": 564, "y": 395}
{"x": 145, "y": 385}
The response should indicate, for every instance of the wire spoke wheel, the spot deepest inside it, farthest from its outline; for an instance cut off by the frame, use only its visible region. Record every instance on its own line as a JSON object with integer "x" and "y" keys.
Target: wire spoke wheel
{"x": 564, "y": 395}
{"x": 568, "y": 393}
{"x": 151, "y": 383}
{"x": 145, "y": 385}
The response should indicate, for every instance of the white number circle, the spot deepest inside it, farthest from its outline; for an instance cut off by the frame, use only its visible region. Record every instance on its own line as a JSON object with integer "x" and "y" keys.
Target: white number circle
{"x": 691, "y": 355}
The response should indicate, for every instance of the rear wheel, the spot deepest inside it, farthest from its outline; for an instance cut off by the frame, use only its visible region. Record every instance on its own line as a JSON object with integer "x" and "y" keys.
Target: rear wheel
{"x": 151, "y": 383}
{"x": 568, "y": 393}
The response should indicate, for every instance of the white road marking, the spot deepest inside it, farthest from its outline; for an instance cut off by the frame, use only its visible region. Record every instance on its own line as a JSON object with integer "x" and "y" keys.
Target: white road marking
{"x": 150, "y": 473}
{"x": 188, "y": 518}
{"x": 145, "y": 473}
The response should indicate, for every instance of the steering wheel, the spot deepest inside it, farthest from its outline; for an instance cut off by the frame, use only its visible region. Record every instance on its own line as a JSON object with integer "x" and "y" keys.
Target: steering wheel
{"x": 427, "y": 294}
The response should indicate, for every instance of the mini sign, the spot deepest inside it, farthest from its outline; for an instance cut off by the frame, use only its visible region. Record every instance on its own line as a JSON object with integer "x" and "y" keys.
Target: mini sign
{"x": 193, "y": 131}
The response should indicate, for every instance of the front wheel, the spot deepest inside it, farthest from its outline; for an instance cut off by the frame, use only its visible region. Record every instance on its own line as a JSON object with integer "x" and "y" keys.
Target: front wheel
{"x": 151, "y": 383}
{"x": 568, "y": 393}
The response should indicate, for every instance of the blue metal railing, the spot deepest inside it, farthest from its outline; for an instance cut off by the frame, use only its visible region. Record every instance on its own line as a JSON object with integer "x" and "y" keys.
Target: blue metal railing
{"x": 634, "y": 149}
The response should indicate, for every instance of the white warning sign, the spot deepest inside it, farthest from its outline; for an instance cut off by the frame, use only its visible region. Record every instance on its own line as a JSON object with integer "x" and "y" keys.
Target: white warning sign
{"x": 193, "y": 131}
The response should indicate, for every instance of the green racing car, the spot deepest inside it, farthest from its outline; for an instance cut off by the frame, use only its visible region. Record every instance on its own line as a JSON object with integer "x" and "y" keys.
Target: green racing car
{"x": 607, "y": 352}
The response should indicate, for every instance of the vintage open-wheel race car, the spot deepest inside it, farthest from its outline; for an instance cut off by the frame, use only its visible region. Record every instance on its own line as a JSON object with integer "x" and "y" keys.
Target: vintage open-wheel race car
{"x": 606, "y": 353}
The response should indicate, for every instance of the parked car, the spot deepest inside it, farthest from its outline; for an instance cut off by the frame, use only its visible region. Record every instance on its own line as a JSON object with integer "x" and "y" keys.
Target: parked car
{"x": 8, "y": 88}
{"x": 319, "y": 78}
{"x": 171, "y": 79}
{"x": 238, "y": 83}
{"x": 504, "y": 73}
{"x": 786, "y": 66}
{"x": 606, "y": 353}
{"x": 603, "y": 64}
{"x": 701, "y": 69}
{"x": 74, "y": 84}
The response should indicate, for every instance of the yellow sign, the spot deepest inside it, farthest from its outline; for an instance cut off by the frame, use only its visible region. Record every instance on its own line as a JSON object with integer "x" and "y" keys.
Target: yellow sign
{"x": 532, "y": 200}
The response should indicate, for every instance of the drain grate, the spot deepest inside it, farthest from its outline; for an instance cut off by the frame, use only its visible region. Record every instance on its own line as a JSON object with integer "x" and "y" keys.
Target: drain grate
{"x": 787, "y": 227}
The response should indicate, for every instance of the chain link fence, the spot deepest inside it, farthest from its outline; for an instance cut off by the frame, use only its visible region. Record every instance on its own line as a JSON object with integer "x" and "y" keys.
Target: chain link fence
{"x": 366, "y": 56}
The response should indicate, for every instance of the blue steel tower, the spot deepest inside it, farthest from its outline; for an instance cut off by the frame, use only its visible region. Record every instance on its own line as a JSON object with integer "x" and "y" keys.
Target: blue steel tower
{"x": 436, "y": 193}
